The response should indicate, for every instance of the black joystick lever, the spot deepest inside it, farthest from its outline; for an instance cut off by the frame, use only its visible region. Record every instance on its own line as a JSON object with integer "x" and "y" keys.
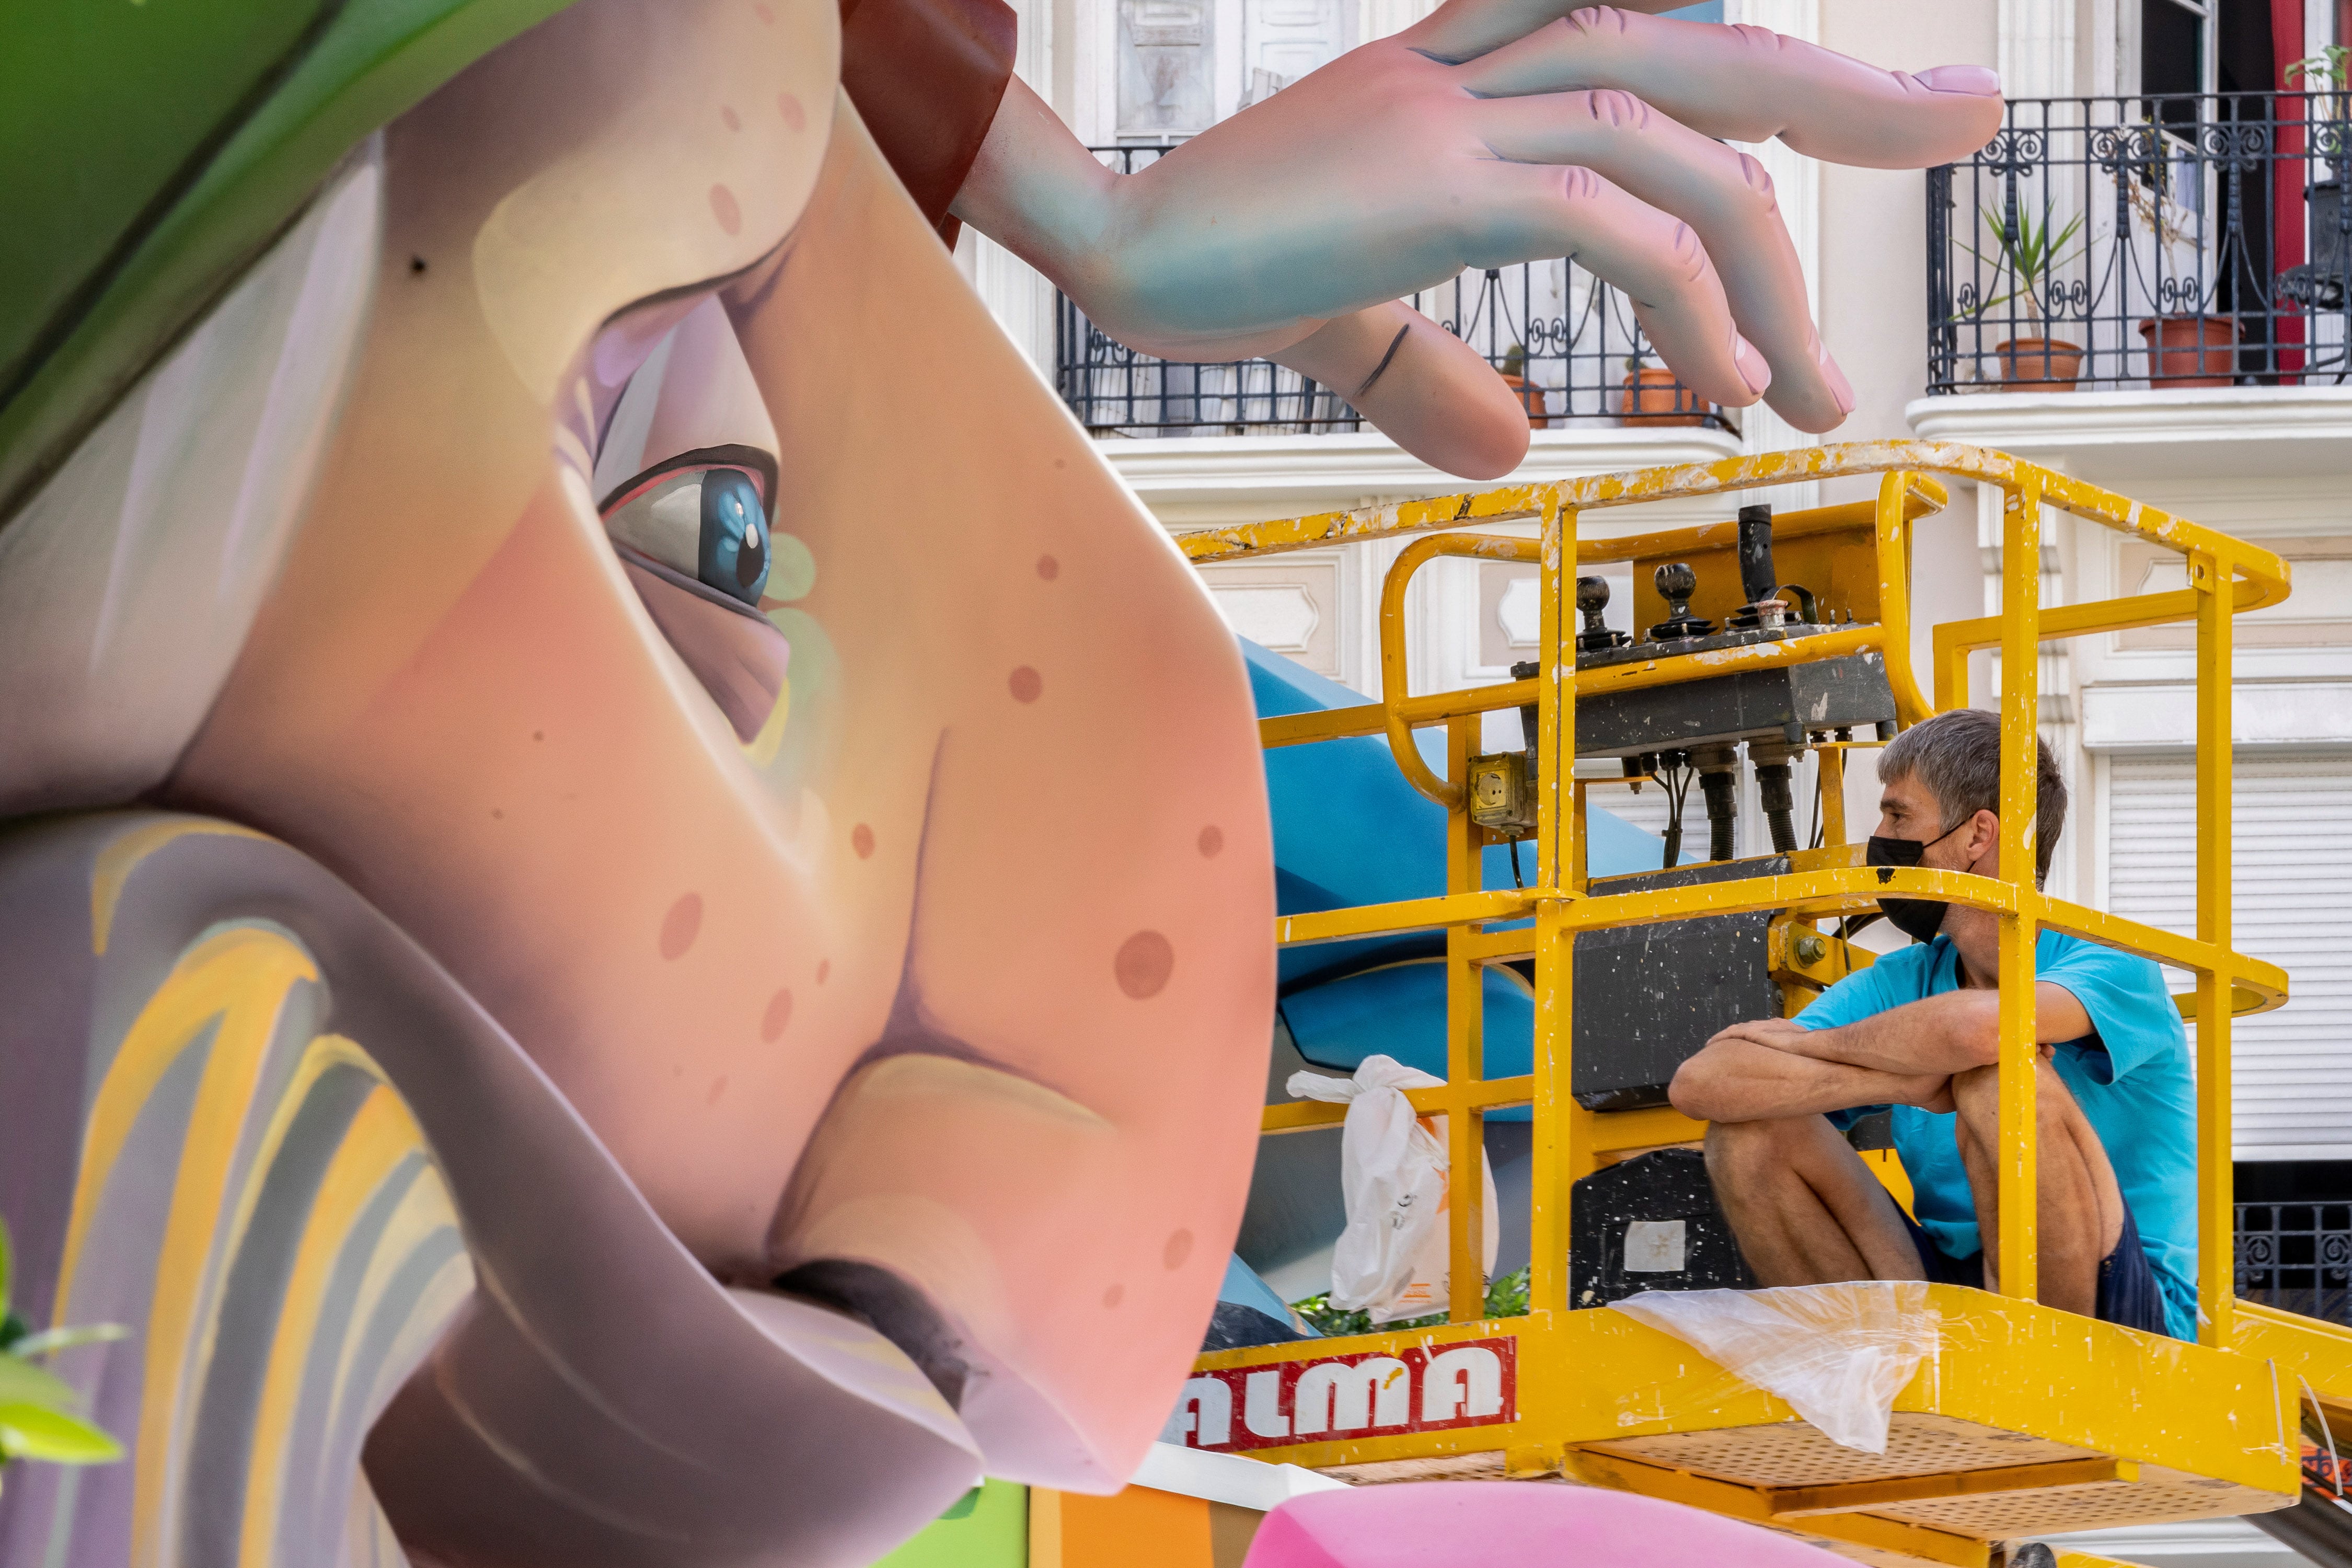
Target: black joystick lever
{"x": 1677, "y": 583}
{"x": 1591, "y": 598}
{"x": 1756, "y": 578}
{"x": 1757, "y": 581}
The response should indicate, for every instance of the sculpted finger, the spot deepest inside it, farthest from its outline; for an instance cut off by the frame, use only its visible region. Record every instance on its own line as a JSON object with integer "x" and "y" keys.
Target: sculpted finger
{"x": 1460, "y": 30}
{"x": 1725, "y": 196}
{"x": 1654, "y": 259}
{"x": 1745, "y": 84}
{"x": 1425, "y": 389}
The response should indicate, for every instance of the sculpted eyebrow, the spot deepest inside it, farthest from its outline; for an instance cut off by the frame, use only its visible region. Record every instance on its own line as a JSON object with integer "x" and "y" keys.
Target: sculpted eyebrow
{"x": 760, "y": 462}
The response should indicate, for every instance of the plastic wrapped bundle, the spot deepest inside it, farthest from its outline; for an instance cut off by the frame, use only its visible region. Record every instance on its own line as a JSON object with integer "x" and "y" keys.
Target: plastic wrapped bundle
{"x": 1837, "y": 1353}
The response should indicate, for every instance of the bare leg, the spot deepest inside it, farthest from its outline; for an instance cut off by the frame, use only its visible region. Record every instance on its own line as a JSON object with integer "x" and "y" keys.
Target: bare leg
{"x": 2081, "y": 1208}
{"x": 1804, "y": 1209}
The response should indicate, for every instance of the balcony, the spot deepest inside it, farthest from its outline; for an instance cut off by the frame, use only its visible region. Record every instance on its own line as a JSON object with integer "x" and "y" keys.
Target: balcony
{"x": 2155, "y": 285}
{"x": 2297, "y": 1256}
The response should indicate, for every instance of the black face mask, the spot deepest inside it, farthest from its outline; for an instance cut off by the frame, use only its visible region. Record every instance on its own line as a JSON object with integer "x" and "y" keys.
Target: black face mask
{"x": 1918, "y": 919}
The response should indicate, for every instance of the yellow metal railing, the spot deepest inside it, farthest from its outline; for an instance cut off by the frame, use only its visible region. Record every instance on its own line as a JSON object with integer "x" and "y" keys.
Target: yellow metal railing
{"x": 1903, "y": 500}
{"x": 2226, "y": 576}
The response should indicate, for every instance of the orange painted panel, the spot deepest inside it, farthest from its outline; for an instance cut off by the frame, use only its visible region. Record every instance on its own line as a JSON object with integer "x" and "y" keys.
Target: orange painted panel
{"x": 1138, "y": 1528}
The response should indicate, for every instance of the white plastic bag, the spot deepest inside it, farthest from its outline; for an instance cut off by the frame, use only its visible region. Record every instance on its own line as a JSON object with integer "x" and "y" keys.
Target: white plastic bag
{"x": 1392, "y": 1258}
{"x": 1838, "y": 1353}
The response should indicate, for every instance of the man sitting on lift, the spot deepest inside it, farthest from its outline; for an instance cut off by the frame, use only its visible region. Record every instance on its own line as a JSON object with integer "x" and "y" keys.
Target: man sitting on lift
{"x": 1919, "y": 1031}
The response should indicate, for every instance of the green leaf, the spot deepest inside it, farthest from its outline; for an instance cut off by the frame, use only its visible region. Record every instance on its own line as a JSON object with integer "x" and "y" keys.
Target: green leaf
{"x": 38, "y": 1434}
{"x": 1507, "y": 1297}
{"x": 2031, "y": 251}
{"x": 2031, "y": 256}
{"x": 2327, "y": 65}
{"x": 21, "y": 1383}
{"x": 48, "y": 1342}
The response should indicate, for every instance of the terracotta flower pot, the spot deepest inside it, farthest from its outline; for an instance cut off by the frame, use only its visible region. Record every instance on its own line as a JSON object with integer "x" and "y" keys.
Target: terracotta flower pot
{"x": 1532, "y": 398}
{"x": 2039, "y": 365}
{"x": 2185, "y": 349}
{"x": 1652, "y": 392}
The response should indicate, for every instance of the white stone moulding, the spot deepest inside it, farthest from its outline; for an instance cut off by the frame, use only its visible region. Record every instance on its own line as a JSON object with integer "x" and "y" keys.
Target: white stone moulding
{"x": 2264, "y": 432}
{"x": 2162, "y": 715}
{"x": 1519, "y": 613}
{"x": 1279, "y": 616}
{"x": 1245, "y": 478}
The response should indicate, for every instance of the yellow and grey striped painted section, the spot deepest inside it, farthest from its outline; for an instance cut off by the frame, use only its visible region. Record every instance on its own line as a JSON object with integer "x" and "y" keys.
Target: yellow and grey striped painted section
{"x": 257, "y": 1203}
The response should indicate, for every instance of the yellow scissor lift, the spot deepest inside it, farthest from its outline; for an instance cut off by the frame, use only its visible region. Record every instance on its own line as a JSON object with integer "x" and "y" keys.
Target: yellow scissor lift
{"x": 2024, "y": 1420}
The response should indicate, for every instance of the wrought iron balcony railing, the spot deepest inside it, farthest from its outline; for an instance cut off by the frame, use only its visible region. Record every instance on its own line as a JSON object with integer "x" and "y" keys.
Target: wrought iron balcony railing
{"x": 2145, "y": 242}
{"x": 2297, "y": 1256}
{"x": 1566, "y": 341}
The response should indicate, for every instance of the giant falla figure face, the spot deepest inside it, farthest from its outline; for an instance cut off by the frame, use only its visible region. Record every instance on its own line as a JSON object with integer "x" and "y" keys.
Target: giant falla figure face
{"x": 713, "y": 643}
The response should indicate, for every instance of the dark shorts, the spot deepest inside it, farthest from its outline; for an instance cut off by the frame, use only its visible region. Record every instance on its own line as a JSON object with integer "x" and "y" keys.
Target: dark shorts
{"x": 2129, "y": 1296}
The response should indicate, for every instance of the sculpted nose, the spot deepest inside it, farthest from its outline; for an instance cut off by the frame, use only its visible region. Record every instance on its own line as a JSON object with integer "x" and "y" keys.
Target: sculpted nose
{"x": 1018, "y": 1245}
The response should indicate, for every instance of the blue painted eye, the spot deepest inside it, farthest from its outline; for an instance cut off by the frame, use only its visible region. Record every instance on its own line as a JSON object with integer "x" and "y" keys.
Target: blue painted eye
{"x": 734, "y": 554}
{"x": 707, "y": 525}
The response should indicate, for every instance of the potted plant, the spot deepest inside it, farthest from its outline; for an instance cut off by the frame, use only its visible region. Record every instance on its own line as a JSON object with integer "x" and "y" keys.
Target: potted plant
{"x": 2191, "y": 349}
{"x": 2318, "y": 284}
{"x": 2324, "y": 72}
{"x": 1652, "y": 391}
{"x": 1531, "y": 397}
{"x": 2029, "y": 254}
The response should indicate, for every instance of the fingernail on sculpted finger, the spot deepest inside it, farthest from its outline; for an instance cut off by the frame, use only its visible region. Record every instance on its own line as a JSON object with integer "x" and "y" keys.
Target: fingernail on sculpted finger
{"x": 1840, "y": 388}
{"x": 1696, "y": 355}
{"x": 1977, "y": 81}
{"x": 1750, "y": 364}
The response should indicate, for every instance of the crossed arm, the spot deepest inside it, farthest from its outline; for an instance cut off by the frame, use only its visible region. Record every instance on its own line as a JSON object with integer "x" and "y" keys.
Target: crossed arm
{"x": 1773, "y": 1067}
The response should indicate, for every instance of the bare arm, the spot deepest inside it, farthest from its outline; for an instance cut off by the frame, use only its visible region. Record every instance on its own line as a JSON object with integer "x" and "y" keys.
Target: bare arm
{"x": 1904, "y": 1055}
{"x": 1738, "y": 1079}
{"x": 1948, "y": 1034}
{"x": 1035, "y": 190}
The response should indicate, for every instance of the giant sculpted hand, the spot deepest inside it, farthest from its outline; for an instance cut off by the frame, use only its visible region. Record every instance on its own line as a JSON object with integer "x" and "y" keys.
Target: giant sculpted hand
{"x": 1492, "y": 132}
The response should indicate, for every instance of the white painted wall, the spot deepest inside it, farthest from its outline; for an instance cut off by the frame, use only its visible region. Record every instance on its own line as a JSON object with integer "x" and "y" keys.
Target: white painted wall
{"x": 1872, "y": 281}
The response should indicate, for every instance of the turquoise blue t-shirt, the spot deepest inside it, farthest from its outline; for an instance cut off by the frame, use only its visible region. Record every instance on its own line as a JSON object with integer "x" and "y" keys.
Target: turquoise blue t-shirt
{"x": 2130, "y": 1075}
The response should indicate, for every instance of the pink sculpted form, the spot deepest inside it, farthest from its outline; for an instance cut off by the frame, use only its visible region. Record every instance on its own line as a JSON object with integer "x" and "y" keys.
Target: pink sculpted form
{"x": 1440, "y": 1525}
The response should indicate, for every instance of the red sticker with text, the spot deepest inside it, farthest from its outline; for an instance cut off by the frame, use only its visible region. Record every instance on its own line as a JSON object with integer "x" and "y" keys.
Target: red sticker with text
{"x": 1472, "y": 1383}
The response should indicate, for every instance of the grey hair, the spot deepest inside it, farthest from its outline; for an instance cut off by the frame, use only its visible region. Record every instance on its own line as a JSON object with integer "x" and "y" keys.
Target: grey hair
{"x": 1957, "y": 756}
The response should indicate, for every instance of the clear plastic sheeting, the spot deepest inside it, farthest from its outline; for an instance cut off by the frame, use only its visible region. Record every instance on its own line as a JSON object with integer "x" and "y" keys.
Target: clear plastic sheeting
{"x": 1391, "y": 1259}
{"x": 1838, "y": 1353}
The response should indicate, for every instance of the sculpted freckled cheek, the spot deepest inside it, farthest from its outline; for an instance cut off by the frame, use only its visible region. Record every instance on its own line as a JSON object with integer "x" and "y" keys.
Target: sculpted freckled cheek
{"x": 681, "y": 926}
{"x": 1144, "y": 962}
